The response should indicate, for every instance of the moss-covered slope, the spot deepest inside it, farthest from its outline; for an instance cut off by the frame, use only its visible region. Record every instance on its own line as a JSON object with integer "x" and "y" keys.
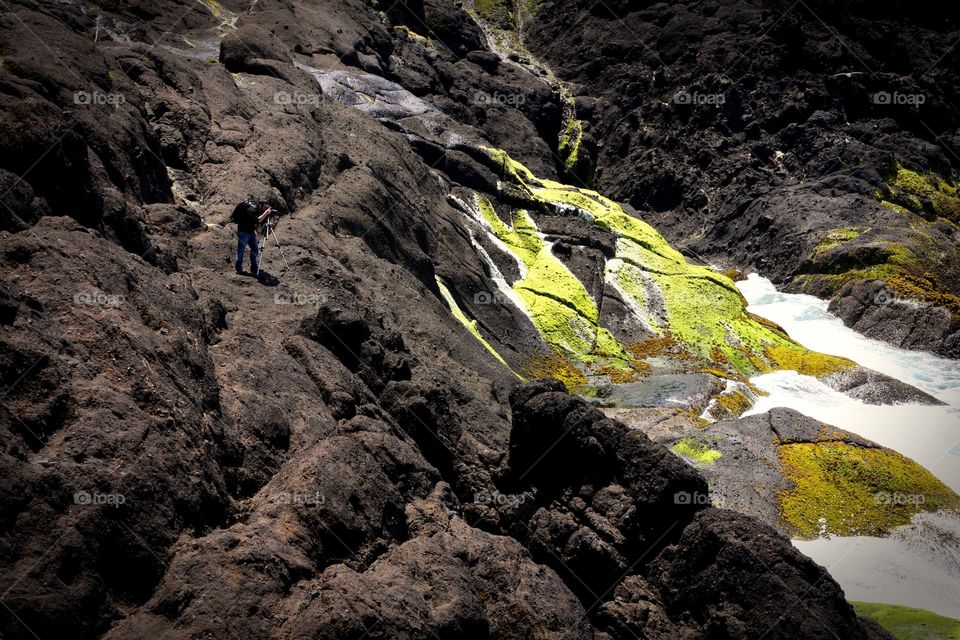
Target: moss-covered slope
{"x": 704, "y": 311}
{"x": 843, "y": 489}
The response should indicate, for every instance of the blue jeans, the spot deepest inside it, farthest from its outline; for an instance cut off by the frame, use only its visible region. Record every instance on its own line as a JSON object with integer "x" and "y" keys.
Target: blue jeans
{"x": 245, "y": 240}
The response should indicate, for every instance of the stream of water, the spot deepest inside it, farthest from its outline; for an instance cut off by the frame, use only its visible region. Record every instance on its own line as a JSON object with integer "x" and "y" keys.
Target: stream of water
{"x": 919, "y": 565}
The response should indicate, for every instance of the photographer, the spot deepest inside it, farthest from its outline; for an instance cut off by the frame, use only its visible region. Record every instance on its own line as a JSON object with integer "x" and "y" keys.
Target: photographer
{"x": 248, "y": 217}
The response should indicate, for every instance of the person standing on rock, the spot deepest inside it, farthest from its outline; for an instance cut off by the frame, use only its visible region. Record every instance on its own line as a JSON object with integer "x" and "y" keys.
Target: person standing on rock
{"x": 248, "y": 217}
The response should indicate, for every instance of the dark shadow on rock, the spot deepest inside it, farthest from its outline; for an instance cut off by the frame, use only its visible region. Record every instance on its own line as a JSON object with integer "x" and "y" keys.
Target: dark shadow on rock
{"x": 267, "y": 279}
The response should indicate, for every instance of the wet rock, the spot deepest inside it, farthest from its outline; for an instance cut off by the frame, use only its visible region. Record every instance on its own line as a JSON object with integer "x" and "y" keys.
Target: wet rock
{"x": 871, "y": 308}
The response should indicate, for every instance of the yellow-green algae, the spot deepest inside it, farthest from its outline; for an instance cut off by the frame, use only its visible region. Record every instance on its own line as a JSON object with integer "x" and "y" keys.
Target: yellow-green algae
{"x": 227, "y": 18}
{"x": 559, "y": 305}
{"x": 811, "y": 363}
{"x": 215, "y": 8}
{"x": 555, "y": 365}
{"x": 704, "y": 309}
{"x": 470, "y": 325}
{"x": 507, "y": 15}
{"x": 906, "y": 274}
{"x": 925, "y": 194}
{"x": 568, "y": 149}
{"x": 413, "y": 35}
{"x": 836, "y": 237}
{"x": 908, "y": 623}
{"x": 696, "y": 451}
{"x": 911, "y": 272}
{"x": 730, "y": 404}
{"x": 842, "y": 489}
{"x": 631, "y": 281}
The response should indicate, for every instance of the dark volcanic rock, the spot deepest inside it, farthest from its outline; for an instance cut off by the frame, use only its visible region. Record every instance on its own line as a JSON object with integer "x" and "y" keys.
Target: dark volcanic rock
{"x": 326, "y": 452}
{"x": 110, "y": 428}
{"x": 874, "y": 310}
{"x": 736, "y": 578}
{"x": 631, "y": 529}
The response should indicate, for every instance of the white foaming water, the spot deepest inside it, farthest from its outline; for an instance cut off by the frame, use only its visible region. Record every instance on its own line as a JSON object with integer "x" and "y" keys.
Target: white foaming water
{"x": 808, "y": 322}
{"x": 894, "y": 569}
{"x": 928, "y": 434}
{"x": 912, "y": 567}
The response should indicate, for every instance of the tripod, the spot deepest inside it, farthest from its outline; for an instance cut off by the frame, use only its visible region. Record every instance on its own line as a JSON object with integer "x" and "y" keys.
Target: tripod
{"x": 269, "y": 229}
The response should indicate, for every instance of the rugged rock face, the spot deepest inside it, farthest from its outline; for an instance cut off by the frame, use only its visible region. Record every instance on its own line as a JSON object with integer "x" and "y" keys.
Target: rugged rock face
{"x": 329, "y": 451}
{"x": 815, "y": 142}
{"x": 619, "y": 515}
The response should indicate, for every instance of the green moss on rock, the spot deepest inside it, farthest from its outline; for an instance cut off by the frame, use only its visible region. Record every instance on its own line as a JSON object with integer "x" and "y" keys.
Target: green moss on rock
{"x": 696, "y": 452}
{"x": 556, "y": 365}
{"x": 704, "y": 309}
{"x": 908, "y": 623}
{"x": 557, "y": 302}
{"x": 469, "y": 325}
{"x": 810, "y": 363}
{"x": 842, "y": 489}
{"x": 509, "y": 16}
{"x": 730, "y": 405}
{"x": 926, "y": 194}
{"x": 410, "y": 34}
{"x": 837, "y": 237}
{"x": 577, "y": 165}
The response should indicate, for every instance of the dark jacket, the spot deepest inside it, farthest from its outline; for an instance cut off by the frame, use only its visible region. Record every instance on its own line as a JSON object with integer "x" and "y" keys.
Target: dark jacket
{"x": 245, "y": 215}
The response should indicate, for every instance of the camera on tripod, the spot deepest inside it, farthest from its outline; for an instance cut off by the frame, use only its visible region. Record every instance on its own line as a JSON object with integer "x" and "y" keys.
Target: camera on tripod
{"x": 269, "y": 227}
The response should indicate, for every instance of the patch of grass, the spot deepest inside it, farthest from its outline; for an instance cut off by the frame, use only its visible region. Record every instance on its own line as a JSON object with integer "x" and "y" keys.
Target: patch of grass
{"x": 848, "y": 490}
{"x": 907, "y": 623}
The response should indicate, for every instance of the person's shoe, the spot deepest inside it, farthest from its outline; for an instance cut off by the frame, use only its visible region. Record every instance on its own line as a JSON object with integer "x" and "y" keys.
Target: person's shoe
{"x": 240, "y": 272}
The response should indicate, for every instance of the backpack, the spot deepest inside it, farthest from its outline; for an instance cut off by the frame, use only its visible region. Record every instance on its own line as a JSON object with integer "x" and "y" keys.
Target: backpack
{"x": 244, "y": 210}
